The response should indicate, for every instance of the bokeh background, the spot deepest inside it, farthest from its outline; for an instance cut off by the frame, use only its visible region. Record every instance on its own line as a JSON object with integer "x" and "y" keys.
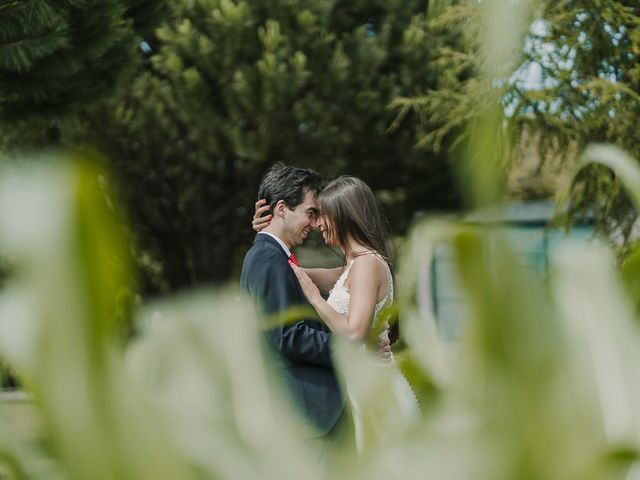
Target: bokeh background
{"x": 189, "y": 102}
{"x": 133, "y": 137}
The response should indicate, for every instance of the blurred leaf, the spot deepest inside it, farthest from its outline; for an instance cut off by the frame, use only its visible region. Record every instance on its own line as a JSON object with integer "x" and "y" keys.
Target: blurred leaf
{"x": 627, "y": 172}
{"x": 65, "y": 292}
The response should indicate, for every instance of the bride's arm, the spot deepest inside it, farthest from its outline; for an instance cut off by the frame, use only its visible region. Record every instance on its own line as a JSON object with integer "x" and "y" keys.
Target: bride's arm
{"x": 324, "y": 278}
{"x": 364, "y": 291}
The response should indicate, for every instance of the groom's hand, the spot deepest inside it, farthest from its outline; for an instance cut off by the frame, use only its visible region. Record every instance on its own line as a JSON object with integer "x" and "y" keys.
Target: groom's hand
{"x": 383, "y": 348}
{"x": 259, "y": 222}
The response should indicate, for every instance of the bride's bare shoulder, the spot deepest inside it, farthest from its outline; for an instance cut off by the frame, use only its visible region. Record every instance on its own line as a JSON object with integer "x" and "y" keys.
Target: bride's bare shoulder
{"x": 369, "y": 264}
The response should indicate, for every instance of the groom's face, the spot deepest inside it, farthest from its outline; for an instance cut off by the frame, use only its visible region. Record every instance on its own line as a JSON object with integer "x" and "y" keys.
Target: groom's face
{"x": 302, "y": 219}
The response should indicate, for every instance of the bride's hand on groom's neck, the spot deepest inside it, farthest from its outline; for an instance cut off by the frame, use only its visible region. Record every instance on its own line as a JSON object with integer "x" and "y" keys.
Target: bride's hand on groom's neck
{"x": 261, "y": 221}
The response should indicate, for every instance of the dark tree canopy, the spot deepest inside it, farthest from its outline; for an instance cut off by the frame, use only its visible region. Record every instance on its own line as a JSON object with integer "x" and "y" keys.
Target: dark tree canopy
{"x": 233, "y": 87}
{"x": 60, "y": 55}
{"x": 221, "y": 91}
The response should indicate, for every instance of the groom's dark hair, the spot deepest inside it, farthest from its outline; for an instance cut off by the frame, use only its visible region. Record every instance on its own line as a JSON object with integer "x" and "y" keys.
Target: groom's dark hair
{"x": 289, "y": 184}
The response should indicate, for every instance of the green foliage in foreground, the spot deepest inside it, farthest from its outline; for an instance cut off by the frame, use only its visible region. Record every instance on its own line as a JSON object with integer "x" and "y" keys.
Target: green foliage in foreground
{"x": 543, "y": 385}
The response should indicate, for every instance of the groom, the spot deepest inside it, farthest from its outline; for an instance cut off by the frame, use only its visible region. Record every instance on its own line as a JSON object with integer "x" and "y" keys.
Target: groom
{"x": 302, "y": 347}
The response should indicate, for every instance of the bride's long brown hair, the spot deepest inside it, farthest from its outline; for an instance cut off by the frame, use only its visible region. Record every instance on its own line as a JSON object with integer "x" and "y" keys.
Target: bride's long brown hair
{"x": 351, "y": 207}
{"x": 353, "y": 212}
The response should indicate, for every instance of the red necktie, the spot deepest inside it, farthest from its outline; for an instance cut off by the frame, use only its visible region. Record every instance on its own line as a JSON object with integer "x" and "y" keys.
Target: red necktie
{"x": 294, "y": 260}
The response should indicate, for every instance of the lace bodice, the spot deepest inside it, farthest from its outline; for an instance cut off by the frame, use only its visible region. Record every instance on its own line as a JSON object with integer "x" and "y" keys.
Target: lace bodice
{"x": 339, "y": 295}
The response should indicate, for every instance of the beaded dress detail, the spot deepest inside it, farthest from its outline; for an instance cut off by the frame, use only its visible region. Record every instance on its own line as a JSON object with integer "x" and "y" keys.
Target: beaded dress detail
{"x": 339, "y": 295}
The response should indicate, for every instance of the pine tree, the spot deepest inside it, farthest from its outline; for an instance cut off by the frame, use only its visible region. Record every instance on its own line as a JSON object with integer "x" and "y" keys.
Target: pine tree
{"x": 583, "y": 55}
{"x": 589, "y": 86}
{"x": 234, "y": 86}
{"x": 59, "y": 55}
{"x": 587, "y": 54}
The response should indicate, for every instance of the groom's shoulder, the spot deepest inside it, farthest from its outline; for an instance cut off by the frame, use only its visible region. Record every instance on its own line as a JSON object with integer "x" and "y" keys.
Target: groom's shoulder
{"x": 264, "y": 261}
{"x": 265, "y": 251}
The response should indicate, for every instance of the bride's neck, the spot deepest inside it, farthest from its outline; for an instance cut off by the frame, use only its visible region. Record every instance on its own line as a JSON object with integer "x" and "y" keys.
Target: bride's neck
{"x": 354, "y": 249}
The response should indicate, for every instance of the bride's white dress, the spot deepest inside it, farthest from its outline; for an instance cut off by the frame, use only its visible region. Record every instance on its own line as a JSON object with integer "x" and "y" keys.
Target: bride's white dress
{"x": 339, "y": 299}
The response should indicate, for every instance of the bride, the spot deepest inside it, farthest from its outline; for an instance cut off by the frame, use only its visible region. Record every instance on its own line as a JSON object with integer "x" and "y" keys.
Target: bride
{"x": 359, "y": 291}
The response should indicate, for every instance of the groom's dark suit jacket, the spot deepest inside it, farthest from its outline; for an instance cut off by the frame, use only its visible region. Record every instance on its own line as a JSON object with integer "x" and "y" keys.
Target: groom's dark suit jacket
{"x": 302, "y": 350}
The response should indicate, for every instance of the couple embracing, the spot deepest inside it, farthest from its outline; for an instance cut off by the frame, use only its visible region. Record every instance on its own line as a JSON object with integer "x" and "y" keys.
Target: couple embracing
{"x": 346, "y": 213}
